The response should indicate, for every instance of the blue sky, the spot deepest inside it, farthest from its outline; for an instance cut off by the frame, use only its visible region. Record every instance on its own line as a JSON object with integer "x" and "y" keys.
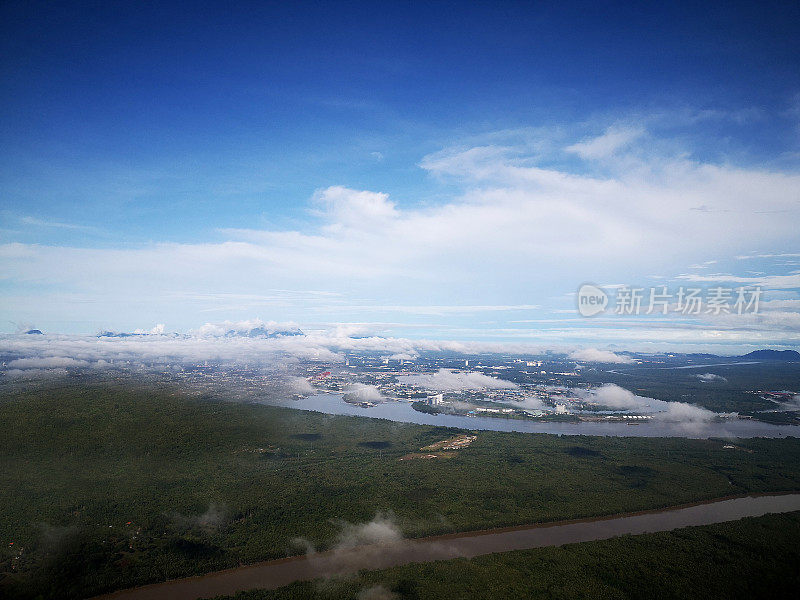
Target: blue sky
{"x": 452, "y": 170}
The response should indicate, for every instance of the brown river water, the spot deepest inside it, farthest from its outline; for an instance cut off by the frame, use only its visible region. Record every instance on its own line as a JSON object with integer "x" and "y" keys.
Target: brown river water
{"x": 277, "y": 573}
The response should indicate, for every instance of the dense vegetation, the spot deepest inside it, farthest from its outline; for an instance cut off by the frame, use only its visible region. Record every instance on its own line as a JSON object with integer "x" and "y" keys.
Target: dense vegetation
{"x": 733, "y": 393}
{"x": 752, "y": 558}
{"x": 107, "y": 486}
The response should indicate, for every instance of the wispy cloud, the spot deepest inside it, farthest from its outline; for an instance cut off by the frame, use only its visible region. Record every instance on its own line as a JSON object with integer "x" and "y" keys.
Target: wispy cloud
{"x": 600, "y": 356}
{"x": 534, "y": 217}
{"x": 447, "y": 380}
{"x": 779, "y": 255}
{"x": 613, "y": 139}
{"x": 34, "y": 222}
{"x": 766, "y": 281}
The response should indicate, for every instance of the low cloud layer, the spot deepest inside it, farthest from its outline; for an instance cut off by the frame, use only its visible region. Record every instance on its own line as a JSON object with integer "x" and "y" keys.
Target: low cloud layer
{"x": 357, "y": 544}
{"x": 51, "y": 362}
{"x": 25, "y": 374}
{"x": 600, "y": 356}
{"x": 210, "y": 521}
{"x": 618, "y": 398}
{"x": 254, "y": 328}
{"x": 447, "y": 380}
{"x": 376, "y": 592}
{"x": 159, "y": 329}
{"x": 252, "y": 342}
{"x": 374, "y": 544}
{"x": 532, "y": 403}
{"x": 361, "y": 392}
{"x": 382, "y": 530}
{"x": 792, "y": 405}
{"x": 681, "y": 412}
{"x": 710, "y": 377}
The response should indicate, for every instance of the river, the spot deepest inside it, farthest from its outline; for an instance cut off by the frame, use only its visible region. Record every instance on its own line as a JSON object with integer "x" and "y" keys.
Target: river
{"x": 401, "y": 411}
{"x": 277, "y": 573}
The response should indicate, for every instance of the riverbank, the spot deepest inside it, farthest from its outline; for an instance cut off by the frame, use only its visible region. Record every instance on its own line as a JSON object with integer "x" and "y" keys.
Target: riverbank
{"x": 140, "y": 484}
{"x": 750, "y": 559}
{"x": 404, "y": 412}
{"x": 275, "y": 574}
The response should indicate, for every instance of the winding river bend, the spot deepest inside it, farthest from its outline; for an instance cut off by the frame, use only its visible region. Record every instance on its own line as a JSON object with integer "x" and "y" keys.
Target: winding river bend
{"x": 333, "y": 404}
{"x": 277, "y": 573}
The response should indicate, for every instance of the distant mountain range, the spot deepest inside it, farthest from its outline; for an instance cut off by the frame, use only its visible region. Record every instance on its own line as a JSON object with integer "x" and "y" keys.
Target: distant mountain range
{"x": 787, "y": 355}
{"x": 259, "y": 331}
{"x": 118, "y": 334}
{"x": 263, "y": 332}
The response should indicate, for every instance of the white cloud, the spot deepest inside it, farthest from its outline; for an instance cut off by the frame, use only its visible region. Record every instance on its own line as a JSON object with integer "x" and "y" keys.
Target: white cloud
{"x": 52, "y": 362}
{"x": 300, "y": 385}
{"x": 35, "y": 373}
{"x": 601, "y": 356}
{"x": 544, "y": 214}
{"x": 792, "y": 405}
{"x": 92, "y": 351}
{"x": 681, "y": 412}
{"x": 775, "y": 255}
{"x": 157, "y": 330}
{"x": 380, "y": 530}
{"x": 352, "y": 330}
{"x": 766, "y": 281}
{"x": 362, "y": 392}
{"x": 376, "y": 592}
{"x": 523, "y": 229}
{"x": 444, "y": 309}
{"x": 769, "y": 320}
{"x": 447, "y": 380}
{"x": 777, "y": 305}
{"x": 252, "y": 327}
{"x": 710, "y": 377}
{"x": 532, "y": 403}
{"x": 54, "y": 224}
{"x": 359, "y": 545}
{"x": 616, "y": 397}
{"x": 345, "y": 209}
{"x": 614, "y": 139}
